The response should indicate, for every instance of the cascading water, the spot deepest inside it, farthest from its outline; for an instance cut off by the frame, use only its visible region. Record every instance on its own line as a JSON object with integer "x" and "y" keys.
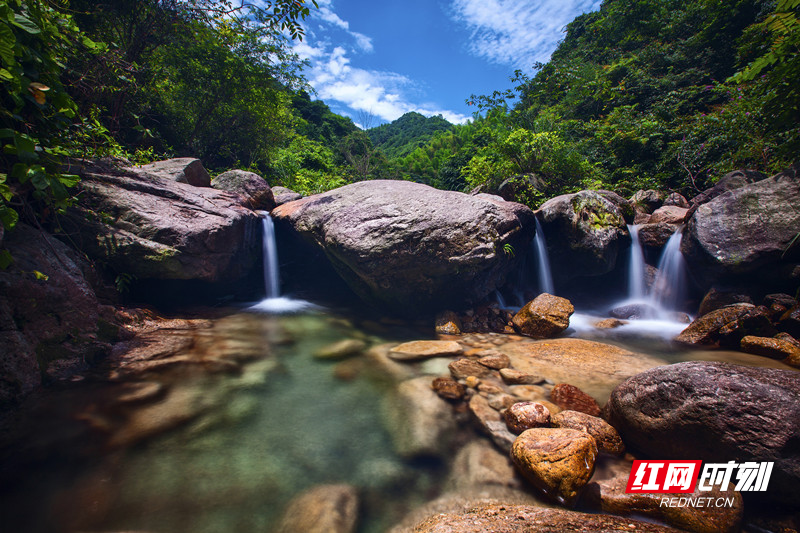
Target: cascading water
{"x": 545, "y": 277}
{"x": 273, "y": 301}
{"x": 669, "y": 289}
{"x": 636, "y": 274}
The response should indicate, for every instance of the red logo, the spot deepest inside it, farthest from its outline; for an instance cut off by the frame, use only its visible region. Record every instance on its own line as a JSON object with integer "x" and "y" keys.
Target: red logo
{"x": 663, "y": 477}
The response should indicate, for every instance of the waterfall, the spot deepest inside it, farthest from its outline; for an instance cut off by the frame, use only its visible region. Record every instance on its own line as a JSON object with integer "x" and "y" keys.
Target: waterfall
{"x": 636, "y": 275}
{"x": 545, "y": 278}
{"x": 501, "y": 302}
{"x": 271, "y": 269}
{"x": 669, "y": 289}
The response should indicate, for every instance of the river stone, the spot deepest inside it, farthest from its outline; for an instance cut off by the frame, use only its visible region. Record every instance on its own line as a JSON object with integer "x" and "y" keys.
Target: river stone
{"x": 609, "y": 496}
{"x": 592, "y": 366}
{"x": 463, "y": 368}
{"x": 282, "y": 195}
{"x": 411, "y": 248}
{"x": 584, "y": 233}
{"x": 448, "y": 388}
{"x": 496, "y": 361}
{"x": 607, "y": 438}
{"x": 322, "y": 509}
{"x": 341, "y": 349}
{"x": 610, "y": 323}
{"x": 182, "y": 170}
{"x": 769, "y": 347}
{"x": 716, "y": 412}
{"x": 504, "y": 518}
{"x": 526, "y": 415}
{"x": 570, "y": 397}
{"x": 513, "y": 376}
{"x": 491, "y": 422}
{"x": 479, "y": 463}
{"x": 418, "y": 350}
{"x": 155, "y": 228}
{"x": 252, "y": 187}
{"x": 448, "y": 323}
{"x": 705, "y": 330}
{"x": 748, "y": 231}
{"x": 420, "y": 422}
{"x": 544, "y": 317}
{"x": 559, "y": 462}
{"x": 668, "y": 214}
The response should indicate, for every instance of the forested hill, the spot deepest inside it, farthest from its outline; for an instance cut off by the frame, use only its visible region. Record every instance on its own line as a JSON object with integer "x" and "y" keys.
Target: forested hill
{"x": 400, "y": 137}
{"x": 640, "y": 94}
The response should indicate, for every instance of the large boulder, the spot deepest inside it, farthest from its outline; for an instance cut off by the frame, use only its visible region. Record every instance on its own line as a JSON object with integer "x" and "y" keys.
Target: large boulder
{"x": 747, "y": 231}
{"x": 154, "y": 228}
{"x": 253, "y": 188}
{"x": 182, "y": 169}
{"x": 51, "y": 323}
{"x": 584, "y": 233}
{"x": 409, "y": 247}
{"x": 716, "y": 412}
{"x": 728, "y": 182}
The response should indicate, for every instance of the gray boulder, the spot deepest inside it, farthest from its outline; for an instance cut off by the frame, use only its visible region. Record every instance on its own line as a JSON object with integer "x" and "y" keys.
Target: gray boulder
{"x": 252, "y": 187}
{"x": 716, "y": 412}
{"x": 649, "y": 200}
{"x": 747, "y": 234}
{"x": 584, "y": 233}
{"x": 154, "y": 228}
{"x": 409, "y": 247}
{"x": 283, "y": 195}
{"x": 182, "y": 169}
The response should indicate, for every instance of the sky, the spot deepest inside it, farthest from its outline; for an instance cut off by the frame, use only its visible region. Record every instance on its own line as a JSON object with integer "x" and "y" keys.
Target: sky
{"x": 374, "y": 60}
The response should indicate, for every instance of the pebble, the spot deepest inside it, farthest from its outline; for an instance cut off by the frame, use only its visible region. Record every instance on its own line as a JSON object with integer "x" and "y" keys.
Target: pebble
{"x": 526, "y": 415}
{"x": 448, "y": 388}
{"x": 516, "y": 377}
{"x": 463, "y": 368}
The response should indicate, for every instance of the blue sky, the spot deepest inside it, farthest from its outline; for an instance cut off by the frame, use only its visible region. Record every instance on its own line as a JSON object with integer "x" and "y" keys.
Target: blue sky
{"x": 383, "y": 58}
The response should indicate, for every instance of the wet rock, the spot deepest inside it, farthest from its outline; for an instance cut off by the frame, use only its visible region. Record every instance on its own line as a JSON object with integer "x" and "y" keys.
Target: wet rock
{"x": 790, "y": 322}
{"x": 544, "y": 317}
{"x": 655, "y": 236}
{"x": 769, "y": 347}
{"x": 381, "y": 361}
{"x": 570, "y": 397}
{"x": 711, "y": 327}
{"x": 448, "y": 388}
{"x": 649, "y": 200}
{"x": 462, "y": 368}
{"x": 636, "y": 311}
{"x": 503, "y": 518}
{"x": 610, "y": 323}
{"x": 480, "y": 463}
{"x": 283, "y": 195}
{"x": 181, "y": 169}
{"x": 155, "y": 228}
{"x": 778, "y": 304}
{"x": 526, "y": 415}
{"x": 322, "y": 509}
{"x": 754, "y": 321}
{"x": 715, "y": 412}
{"x": 717, "y": 299}
{"x": 448, "y": 323}
{"x": 420, "y": 422}
{"x": 417, "y": 350}
{"x": 491, "y": 422}
{"x": 676, "y": 199}
{"x": 341, "y": 349}
{"x": 530, "y": 393}
{"x": 348, "y": 370}
{"x": 788, "y": 338}
{"x": 585, "y": 364}
{"x": 748, "y": 231}
{"x": 409, "y": 247}
{"x": 610, "y": 497}
{"x": 606, "y": 437}
{"x": 668, "y": 214}
{"x": 250, "y": 186}
{"x": 501, "y": 401}
{"x": 517, "y": 377}
{"x": 496, "y": 361}
{"x": 585, "y": 233}
{"x": 559, "y": 462}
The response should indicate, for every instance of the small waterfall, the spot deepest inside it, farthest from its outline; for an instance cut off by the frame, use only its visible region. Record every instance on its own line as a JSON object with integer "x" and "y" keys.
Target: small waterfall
{"x": 545, "y": 278}
{"x": 669, "y": 289}
{"x": 271, "y": 269}
{"x": 636, "y": 275}
{"x": 500, "y": 300}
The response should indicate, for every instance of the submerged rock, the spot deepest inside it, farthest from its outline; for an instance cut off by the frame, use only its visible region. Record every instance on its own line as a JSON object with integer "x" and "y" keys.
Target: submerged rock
{"x": 491, "y": 422}
{"x": 410, "y": 248}
{"x": 253, "y": 188}
{"x": 544, "y": 317}
{"x": 559, "y": 462}
{"x": 322, "y": 509}
{"x": 418, "y": 350}
{"x": 584, "y": 232}
{"x": 341, "y": 349}
{"x": 716, "y": 412}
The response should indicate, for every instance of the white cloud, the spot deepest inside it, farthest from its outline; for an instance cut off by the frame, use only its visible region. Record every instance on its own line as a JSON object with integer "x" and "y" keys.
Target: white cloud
{"x": 515, "y": 33}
